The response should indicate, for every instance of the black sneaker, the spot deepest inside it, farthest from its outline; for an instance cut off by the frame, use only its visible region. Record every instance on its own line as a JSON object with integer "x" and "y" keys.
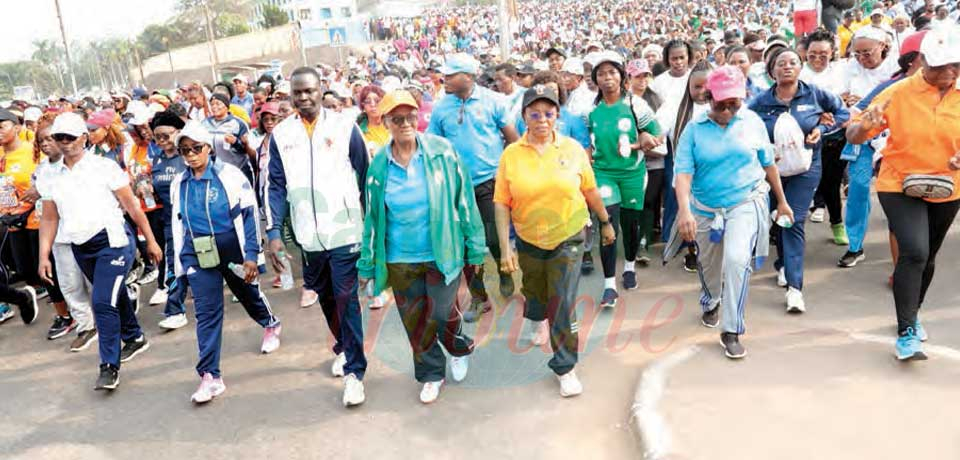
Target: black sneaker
{"x": 850, "y": 259}
{"x": 506, "y": 286}
{"x": 477, "y": 308}
{"x": 586, "y": 267}
{"x": 61, "y": 327}
{"x": 28, "y": 311}
{"x": 731, "y": 345}
{"x": 109, "y": 378}
{"x": 609, "y": 299}
{"x": 83, "y": 340}
{"x": 132, "y": 349}
{"x": 690, "y": 263}
{"x": 711, "y": 318}
{"x": 629, "y": 280}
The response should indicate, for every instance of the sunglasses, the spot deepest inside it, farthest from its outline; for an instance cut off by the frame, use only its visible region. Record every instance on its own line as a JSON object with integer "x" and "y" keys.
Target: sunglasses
{"x": 732, "y": 107}
{"x": 544, "y": 116}
{"x": 197, "y": 149}
{"x": 400, "y": 120}
{"x": 162, "y": 136}
{"x": 64, "y": 138}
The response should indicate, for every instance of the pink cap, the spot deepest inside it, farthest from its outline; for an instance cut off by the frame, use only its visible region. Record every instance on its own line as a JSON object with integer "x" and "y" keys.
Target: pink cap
{"x": 101, "y": 119}
{"x": 638, "y": 67}
{"x": 727, "y": 82}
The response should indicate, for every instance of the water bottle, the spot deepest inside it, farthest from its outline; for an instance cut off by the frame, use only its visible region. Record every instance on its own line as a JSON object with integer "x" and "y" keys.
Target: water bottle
{"x": 237, "y": 269}
{"x": 286, "y": 276}
{"x": 149, "y": 201}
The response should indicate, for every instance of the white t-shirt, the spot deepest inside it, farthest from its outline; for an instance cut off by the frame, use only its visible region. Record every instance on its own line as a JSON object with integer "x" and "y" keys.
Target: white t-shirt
{"x": 670, "y": 88}
{"x": 859, "y": 81}
{"x": 829, "y": 79}
{"x": 804, "y": 5}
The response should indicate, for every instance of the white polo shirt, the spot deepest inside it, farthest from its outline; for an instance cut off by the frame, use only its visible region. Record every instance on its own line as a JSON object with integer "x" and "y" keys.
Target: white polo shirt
{"x": 85, "y": 199}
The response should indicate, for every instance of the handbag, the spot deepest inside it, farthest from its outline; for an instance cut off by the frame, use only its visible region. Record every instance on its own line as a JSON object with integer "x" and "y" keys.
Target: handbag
{"x": 16, "y": 220}
{"x": 205, "y": 246}
{"x": 793, "y": 157}
{"x": 928, "y": 186}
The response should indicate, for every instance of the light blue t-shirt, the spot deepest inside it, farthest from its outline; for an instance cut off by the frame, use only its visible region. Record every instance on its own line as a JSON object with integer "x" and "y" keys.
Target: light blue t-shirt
{"x": 568, "y": 125}
{"x": 473, "y": 128}
{"x": 408, "y": 211}
{"x": 726, "y": 163}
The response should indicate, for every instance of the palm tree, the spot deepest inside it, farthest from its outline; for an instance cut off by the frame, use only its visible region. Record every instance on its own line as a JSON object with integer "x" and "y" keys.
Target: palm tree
{"x": 47, "y": 53}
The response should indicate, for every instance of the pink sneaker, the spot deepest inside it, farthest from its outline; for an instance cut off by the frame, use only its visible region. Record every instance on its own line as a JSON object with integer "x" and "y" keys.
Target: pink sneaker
{"x": 210, "y": 387}
{"x": 277, "y": 284}
{"x": 308, "y": 297}
{"x": 271, "y": 339}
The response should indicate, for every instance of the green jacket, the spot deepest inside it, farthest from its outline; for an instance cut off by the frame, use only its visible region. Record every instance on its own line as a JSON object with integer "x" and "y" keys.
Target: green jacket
{"x": 456, "y": 229}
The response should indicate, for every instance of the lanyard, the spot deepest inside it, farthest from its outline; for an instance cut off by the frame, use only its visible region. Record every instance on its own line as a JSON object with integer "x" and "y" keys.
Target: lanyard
{"x": 206, "y": 201}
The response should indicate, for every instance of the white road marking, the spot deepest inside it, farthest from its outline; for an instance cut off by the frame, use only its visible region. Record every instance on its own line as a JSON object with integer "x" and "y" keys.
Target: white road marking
{"x": 653, "y": 430}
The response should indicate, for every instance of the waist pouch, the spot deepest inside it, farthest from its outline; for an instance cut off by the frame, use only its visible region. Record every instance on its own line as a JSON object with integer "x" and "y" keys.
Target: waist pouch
{"x": 928, "y": 186}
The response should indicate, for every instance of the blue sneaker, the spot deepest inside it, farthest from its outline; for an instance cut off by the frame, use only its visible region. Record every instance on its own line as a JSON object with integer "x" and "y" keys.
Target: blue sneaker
{"x": 609, "y": 299}
{"x": 5, "y": 312}
{"x": 921, "y": 332}
{"x": 909, "y": 347}
{"x": 629, "y": 280}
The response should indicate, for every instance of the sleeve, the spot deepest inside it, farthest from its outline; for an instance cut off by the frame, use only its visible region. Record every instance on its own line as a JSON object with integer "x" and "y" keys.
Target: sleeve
{"x": 588, "y": 181}
{"x": 365, "y": 264}
{"x": 765, "y": 151}
{"x": 502, "y": 112}
{"x": 683, "y": 162}
{"x": 521, "y": 126}
{"x": 501, "y": 189}
{"x": 360, "y": 160}
{"x": 646, "y": 119}
{"x": 578, "y": 131}
{"x": 275, "y": 196}
{"x": 248, "y": 212}
{"x": 116, "y": 177}
{"x": 435, "y": 127}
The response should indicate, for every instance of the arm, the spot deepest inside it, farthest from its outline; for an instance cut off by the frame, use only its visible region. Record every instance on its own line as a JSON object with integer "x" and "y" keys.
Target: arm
{"x": 275, "y": 203}
{"x": 131, "y": 205}
{"x": 773, "y": 177}
{"x": 360, "y": 160}
{"x": 508, "y": 260}
{"x": 49, "y": 221}
{"x": 869, "y": 123}
{"x": 510, "y": 134}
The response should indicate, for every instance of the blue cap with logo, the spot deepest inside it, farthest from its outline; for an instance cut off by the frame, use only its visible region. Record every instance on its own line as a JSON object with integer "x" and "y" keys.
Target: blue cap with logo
{"x": 460, "y": 63}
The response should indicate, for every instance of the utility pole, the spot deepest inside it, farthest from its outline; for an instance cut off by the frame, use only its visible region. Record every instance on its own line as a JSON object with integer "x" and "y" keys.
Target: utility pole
{"x": 505, "y": 36}
{"x": 66, "y": 48}
{"x": 211, "y": 40}
{"x": 136, "y": 54}
{"x": 166, "y": 43}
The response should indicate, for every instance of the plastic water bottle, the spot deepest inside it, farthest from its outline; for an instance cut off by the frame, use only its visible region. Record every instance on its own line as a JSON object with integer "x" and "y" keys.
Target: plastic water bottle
{"x": 286, "y": 276}
{"x": 784, "y": 222}
{"x": 238, "y": 270}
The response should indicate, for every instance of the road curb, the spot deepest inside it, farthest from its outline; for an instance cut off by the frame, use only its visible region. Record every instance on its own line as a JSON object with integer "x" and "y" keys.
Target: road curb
{"x": 649, "y": 426}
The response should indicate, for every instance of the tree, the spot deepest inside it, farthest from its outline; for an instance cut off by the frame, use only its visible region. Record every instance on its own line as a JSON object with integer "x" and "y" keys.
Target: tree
{"x": 273, "y": 16}
{"x": 230, "y": 24}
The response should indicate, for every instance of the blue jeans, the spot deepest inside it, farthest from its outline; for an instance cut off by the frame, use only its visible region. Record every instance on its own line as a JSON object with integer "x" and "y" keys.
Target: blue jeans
{"x": 858, "y": 198}
{"x": 791, "y": 242}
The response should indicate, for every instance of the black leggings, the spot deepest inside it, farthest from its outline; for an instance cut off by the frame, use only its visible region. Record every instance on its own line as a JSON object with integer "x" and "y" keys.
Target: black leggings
{"x": 484, "y": 197}
{"x": 651, "y": 205}
{"x": 828, "y": 192}
{"x": 629, "y": 221}
{"x": 25, "y": 246}
{"x": 920, "y": 228}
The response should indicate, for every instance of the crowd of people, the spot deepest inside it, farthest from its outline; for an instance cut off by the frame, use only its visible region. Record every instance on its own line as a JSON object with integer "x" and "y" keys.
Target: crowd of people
{"x": 713, "y": 131}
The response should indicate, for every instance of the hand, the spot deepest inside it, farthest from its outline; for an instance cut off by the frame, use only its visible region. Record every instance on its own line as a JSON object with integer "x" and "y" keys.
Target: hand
{"x": 783, "y": 209}
{"x": 46, "y": 271}
{"x": 873, "y": 117}
{"x": 607, "y": 234}
{"x": 647, "y": 142}
{"x": 851, "y": 100}
{"x": 362, "y": 286}
{"x": 813, "y": 137}
{"x": 250, "y": 272}
{"x": 826, "y": 119}
{"x": 508, "y": 261}
{"x": 276, "y": 247}
{"x": 230, "y": 138}
{"x": 687, "y": 226}
{"x": 31, "y": 195}
{"x": 153, "y": 252}
{"x": 955, "y": 161}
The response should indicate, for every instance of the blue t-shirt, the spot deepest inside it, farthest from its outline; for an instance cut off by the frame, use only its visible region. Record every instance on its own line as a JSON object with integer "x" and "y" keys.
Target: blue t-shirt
{"x": 568, "y": 125}
{"x": 726, "y": 163}
{"x": 408, "y": 211}
{"x": 473, "y": 128}
{"x": 193, "y": 206}
{"x": 245, "y": 102}
{"x": 162, "y": 173}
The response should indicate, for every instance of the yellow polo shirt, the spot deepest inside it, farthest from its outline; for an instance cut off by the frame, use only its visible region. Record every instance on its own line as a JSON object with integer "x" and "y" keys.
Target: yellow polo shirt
{"x": 545, "y": 190}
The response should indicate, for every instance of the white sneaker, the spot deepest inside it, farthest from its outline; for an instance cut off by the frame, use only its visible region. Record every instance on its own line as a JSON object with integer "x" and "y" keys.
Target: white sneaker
{"x": 782, "y": 278}
{"x": 159, "y": 297}
{"x": 539, "y": 332}
{"x": 352, "y": 391}
{"x": 174, "y": 322}
{"x": 795, "y": 302}
{"x": 458, "y": 367}
{"x": 210, "y": 388}
{"x": 380, "y": 301}
{"x": 569, "y": 384}
{"x": 338, "y": 363}
{"x": 271, "y": 339}
{"x": 133, "y": 291}
{"x": 818, "y": 215}
{"x": 148, "y": 276}
{"x": 430, "y": 391}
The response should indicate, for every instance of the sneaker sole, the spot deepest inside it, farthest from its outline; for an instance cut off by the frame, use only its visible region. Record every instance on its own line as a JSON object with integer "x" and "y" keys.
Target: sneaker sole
{"x": 727, "y": 353}
{"x": 61, "y": 333}
{"x": 108, "y": 387}
{"x": 33, "y": 298}
{"x": 86, "y": 345}
{"x": 142, "y": 349}
{"x": 608, "y": 305}
{"x": 6, "y": 317}
{"x": 918, "y": 356}
{"x": 856, "y": 260}
{"x": 709, "y": 325}
{"x": 796, "y": 309}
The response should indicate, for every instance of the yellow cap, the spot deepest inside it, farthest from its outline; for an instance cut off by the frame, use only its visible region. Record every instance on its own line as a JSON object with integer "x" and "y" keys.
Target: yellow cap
{"x": 396, "y": 99}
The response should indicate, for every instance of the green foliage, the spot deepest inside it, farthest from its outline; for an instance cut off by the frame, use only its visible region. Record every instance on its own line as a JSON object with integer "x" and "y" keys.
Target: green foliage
{"x": 273, "y": 16}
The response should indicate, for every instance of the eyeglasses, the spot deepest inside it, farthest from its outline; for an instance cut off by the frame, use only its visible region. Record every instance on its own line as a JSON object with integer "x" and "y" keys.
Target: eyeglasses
{"x": 370, "y": 102}
{"x": 197, "y": 149}
{"x": 399, "y": 120}
{"x": 542, "y": 116}
{"x": 162, "y": 137}
{"x": 868, "y": 52}
{"x": 730, "y": 106}
{"x": 64, "y": 138}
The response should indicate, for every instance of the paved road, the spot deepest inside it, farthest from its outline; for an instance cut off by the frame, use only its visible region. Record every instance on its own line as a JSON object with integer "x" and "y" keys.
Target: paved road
{"x": 807, "y": 390}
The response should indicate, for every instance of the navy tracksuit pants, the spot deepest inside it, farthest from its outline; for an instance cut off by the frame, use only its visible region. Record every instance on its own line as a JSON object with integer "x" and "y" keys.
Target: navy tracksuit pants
{"x": 176, "y": 286}
{"x": 333, "y": 276}
{"x": 207, "y": 286}
{"x": 106, "y": 268}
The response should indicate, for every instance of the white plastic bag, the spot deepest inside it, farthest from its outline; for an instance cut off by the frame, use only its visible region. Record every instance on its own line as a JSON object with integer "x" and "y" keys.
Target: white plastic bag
{"x": 793, "y": 157}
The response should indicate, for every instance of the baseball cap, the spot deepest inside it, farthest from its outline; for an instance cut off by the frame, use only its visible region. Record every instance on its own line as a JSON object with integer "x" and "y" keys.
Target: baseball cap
{"x": 396, "y": 99}
{"x": 552, "y": 50}
{"x": 638, "y": 67}
{"x": 540, "y": 92}
{"x": 727, "y": 82}
{"x": 573, "y": 65}
{"x": 6, "y": 115}
{"x": 32, "y": 114}
{"x": 526, "y": 69}
{"x": 871, "y": 33}
{"x": 195, "y": 131}
{"x": 460, "y": 63}
{"x": 137, "y": 114}
{"x": 271, "y": 107}
{"x": 877, "y": 11}
{"x": 241, "y": 77}
{"x": 283, "y": 87}
{"x": 652, "y": 48}
{"x": 941, "y": 46}
{"x": 69, "y": 123}
{"x": 912, "y": 42}
{"x": 101, "y": 119}
{"x": 140, "y": 93}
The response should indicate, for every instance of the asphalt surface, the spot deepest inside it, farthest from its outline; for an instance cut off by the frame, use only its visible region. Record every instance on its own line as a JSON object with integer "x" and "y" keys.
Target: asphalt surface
{"x": 808, "y": 388}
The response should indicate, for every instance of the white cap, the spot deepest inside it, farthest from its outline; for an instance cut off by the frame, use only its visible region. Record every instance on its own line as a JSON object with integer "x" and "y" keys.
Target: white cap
{"x": 69, "y": 123}
{"x": 242, "y": 78}
{"x": 391, "y": 83}
{"x": 283, "y": 87}
{"x": 876, "y": 11}
{"x": 32, "y": 114}
{"x": 196, "y": 132}
{"x": 608, "y": 56}
{"x": 141, "y": 113}
{"x": 872, "y": 33}
{"x": 573, "y": 65}
{"x": 941, "y": 46}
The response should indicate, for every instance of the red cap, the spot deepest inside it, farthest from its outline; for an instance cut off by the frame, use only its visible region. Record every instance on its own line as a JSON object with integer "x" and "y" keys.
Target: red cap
{"x": 101, "y": 119}
{"x": 912, "y": 43}
{"x": 270, "y": 107}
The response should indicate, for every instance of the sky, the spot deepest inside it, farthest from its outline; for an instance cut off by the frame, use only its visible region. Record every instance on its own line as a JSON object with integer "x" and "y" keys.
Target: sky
{"x": 84, "y": 20}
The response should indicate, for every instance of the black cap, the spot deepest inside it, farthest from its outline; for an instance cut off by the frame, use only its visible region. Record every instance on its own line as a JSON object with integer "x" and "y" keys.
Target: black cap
{"x": 6, "y": 115}
{"x": 554, "y": 50}
{"x": 222, "y": 98}
{"x": 526, "y": 69}
{"x": 167, "y": 118}
{"x": 538, "y": 92}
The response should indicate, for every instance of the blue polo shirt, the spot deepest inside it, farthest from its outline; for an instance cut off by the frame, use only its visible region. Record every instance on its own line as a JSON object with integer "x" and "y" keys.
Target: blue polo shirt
{"x": 473, "y": 128}
{"x": 408, "y": 211}
{"x": 193, "y": 206}
{"x": 162, "y": 173}
{"x": 245, "y": 102}
{"x": 726, "y": 163}
{"x": 568, "y": 125}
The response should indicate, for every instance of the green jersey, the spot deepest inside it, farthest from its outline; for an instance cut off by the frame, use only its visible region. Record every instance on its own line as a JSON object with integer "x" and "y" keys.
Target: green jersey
{"x": 613, "y": 128}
